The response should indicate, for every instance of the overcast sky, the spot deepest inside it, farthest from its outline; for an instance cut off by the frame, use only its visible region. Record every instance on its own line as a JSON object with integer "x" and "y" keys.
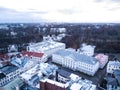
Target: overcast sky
{"x": 60, "y": 11}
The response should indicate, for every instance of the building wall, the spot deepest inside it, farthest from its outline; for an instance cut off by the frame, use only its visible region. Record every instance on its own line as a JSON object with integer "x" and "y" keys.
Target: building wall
{"x": 110, "y": 87}
{"x": 103, "y": 59}
{"x": 62, "y": 79}
{"x": 76, "y": 65}
{"x": 10, "y": 77}
{"x": 50, "y": 86}
{"x": 113, "y": 65}
{"x": 87, "y": 68}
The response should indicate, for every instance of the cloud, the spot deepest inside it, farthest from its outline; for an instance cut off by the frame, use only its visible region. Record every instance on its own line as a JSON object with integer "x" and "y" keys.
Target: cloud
{"x": 68, "y": 11}
{"x": 99, "y": 0}
{"x": 113, "y": 8}
{"x": 11, "y": 15}
{"x": 36, "y": 11}
{"x": 109, "y": 5}
{"x": 5, "y": 10}
{"x": 118, "y": 1}
{"x": 112, "y": 1}
{"x": 60, "y": 10}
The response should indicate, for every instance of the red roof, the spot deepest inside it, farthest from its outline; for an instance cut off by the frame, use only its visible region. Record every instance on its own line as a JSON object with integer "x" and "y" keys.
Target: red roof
{"x": 35, "y": 54}
{"x": 1, "y": 56}
{"x": 6, "y": 57}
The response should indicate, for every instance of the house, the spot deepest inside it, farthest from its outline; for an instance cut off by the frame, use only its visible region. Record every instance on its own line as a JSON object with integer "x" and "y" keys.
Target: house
{"x": 19, "y": 62}
{"x": 12, "y": 48}
{"x": 116, "y": 58}
{"x": 86, "y": 50}
{"x": 62, "y": 75}
{"x": 33, "y": 75}
{"x": 65, "y": 76}
{"x": 117, "y": 76}
{"x": 75, "y": 83}
{"x": 113, "y": 65}
{"x": 8, "y": 73}
{"x": 22, "y": 62}
{"x": 35, "y": 56}
{"x": 113, "y": 81}
{"x": 16, "y": 66}
{"x": 103, "y": 59}
{"x": 4, "y": 60}
{"x": 71, "y": 49}
{"x": 76, "y": 61}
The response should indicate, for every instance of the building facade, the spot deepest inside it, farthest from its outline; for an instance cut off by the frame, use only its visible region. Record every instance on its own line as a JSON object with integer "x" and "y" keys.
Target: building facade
{"x": 76, "y": 61}
{"x": 48, "y": 84}
{"x": 113, "y": 65}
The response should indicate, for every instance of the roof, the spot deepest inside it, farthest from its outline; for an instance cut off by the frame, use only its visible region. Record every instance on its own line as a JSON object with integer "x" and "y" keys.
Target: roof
{"x": 1, "y": 56}
{"x": 2, "y": 75}
{"x": 74, "y": 77}
{"x": 12, "y": 48}
{"x": 44, "y": 46}
{"x": 62, "y": 85}
{"x": 19, "y": 62}
{"x": 116, "y": 57}
{"x": 116, "y": 72}
{"x": 111, "y": 81}
{"x": 77, "y": 56}
{"x": 16, "y": 82}
{"x": 101, "y": 58}
{"x": 117, "y": 75}
{"x": 63, "y": 53}
{"x": 86, "y": 47}
{"x": 116, "y": 63}
{"x": 29, "y": 87}
{"x": 6, "y": 57}
{"x": 8, "y": 69}
{"x": 35, "y": 54}
{"x": 34, "y": 79}
{"x": 64, "y": 73}
{"x": 75, "y": 86}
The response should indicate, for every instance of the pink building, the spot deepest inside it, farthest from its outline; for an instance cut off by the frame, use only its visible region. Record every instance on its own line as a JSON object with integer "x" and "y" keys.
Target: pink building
{"x": 103, "y": 59}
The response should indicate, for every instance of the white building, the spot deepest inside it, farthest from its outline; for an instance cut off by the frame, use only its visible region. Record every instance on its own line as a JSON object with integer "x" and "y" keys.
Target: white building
{"x": 46, "y": 47}
{"x": 71, "y": 49}
{"x": 65, "y": 76}
{"x": 103, "y": 59}
{"x": 75, "y": 83}
{"x": 113, "y": 65}
{"x": 23, "y": 63}
{"x": 35, "y": 56}
{"x": 19, "y": 66}
{"x": 9, "y": 73}
{"x": 12, "y": 48}
{"x": 33, "y": 75}
{"x": 86, "y": 50}
{"x": 76, "y": 61}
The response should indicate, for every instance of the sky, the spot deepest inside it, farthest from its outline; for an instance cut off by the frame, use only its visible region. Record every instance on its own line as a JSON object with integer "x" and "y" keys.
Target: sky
{"x": 83, "y": 11}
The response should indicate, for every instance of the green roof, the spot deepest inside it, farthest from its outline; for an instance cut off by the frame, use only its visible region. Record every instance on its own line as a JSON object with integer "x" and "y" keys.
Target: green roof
{"x": 16, "y": 82}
